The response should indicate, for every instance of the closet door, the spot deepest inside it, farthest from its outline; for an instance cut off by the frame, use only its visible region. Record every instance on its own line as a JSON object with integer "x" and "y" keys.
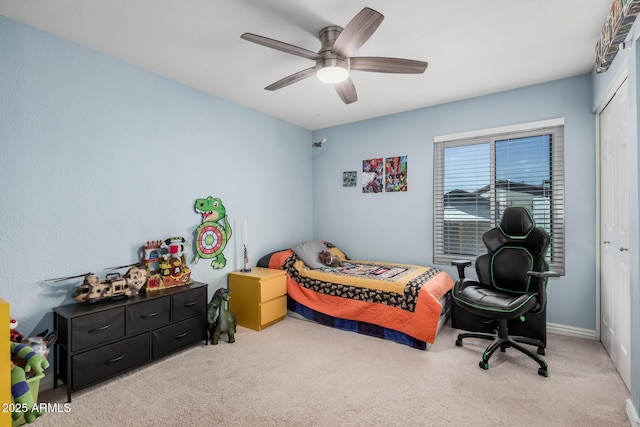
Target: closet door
{"x": 615, "y": 323}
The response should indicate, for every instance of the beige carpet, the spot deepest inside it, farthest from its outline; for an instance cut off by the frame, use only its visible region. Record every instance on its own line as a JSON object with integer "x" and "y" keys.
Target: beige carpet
{"x": 297, "y": 373}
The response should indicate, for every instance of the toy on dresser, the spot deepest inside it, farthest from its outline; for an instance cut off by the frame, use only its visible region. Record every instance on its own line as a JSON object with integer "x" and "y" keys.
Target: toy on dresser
{"x": 113, "y": 286}
{"x": 165, "y": 263}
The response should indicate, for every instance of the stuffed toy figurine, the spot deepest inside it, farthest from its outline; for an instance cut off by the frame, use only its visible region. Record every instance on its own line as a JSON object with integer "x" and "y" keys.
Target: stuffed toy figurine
{"x": 15, "y": 335}
{"x": 330, "y": 260}
{"x": 40, "y": 344}
{"x": 24, "y": 359}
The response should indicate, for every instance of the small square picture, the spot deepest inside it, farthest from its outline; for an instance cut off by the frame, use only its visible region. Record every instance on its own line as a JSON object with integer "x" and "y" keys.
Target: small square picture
{"x": 349, "y": 178}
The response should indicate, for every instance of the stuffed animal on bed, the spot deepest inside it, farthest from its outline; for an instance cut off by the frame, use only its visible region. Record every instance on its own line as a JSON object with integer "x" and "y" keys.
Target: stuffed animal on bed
{"x": 330, "y": 260}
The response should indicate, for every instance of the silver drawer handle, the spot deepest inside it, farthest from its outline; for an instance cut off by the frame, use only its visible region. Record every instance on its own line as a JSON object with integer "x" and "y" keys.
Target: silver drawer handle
{"x": 99, "y": 329}
{"x": 114, "y": 360}
{"x": 189, "y": 304}
{"x": 144, "y": 316}
{"x": 182, "y": 335}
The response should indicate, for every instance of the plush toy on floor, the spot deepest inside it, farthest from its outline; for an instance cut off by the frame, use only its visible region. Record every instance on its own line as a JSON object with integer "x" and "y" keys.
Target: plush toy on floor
{"x": 219, "y": 318}
{"x": 40, "y": 344}
{"x": 24, "y": 359}
{"x": 15, "y": 335}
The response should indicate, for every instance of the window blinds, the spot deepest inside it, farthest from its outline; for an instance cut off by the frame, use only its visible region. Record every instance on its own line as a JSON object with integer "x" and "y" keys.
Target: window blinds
{"x": 476, "y": 177}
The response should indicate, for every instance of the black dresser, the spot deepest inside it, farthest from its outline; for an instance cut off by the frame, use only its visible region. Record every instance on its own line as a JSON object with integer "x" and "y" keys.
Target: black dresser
{"x": 97, "y": 341}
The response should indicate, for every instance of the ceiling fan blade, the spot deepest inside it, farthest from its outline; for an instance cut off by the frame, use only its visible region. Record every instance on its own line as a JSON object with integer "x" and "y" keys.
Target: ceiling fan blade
{"x": 295, "y": 77}
{"x": 388, "y": 65}
{"x": 346, "y": 91}
{"x": 357, "y": 31}
{"x": 281, "y": 46}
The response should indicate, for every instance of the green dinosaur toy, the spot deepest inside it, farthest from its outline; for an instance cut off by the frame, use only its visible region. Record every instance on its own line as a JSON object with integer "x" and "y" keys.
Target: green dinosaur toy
{"x": 214, "y": 232}
{"x": 23, "y": 360}
{"x": 224, "y": 321}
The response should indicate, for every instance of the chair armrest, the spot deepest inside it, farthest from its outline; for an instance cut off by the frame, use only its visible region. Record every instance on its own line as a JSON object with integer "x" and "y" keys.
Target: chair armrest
{"x": 541, "y": 282}
{"x": 461, "y": 264}
{"x": 543, "y": 274}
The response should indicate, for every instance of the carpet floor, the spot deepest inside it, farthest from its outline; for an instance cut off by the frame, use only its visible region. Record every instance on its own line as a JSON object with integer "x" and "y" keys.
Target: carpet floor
{"x": 298, "y": 373}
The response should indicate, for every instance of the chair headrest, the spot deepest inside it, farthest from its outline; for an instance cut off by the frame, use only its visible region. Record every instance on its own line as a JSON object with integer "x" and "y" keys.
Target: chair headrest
{"x": 517, "y": 222}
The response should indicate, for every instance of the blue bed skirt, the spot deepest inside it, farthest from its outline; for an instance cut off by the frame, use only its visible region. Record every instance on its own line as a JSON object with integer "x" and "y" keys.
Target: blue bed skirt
{"x": 354, "y": 325}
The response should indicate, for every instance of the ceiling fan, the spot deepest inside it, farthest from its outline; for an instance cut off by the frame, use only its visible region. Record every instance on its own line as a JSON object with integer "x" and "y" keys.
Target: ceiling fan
{"x": 334, "y": 60}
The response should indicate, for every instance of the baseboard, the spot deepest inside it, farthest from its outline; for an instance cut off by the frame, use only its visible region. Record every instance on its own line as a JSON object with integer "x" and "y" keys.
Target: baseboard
{"x": 632, "y": 414}
{"x": 571, "y": 331}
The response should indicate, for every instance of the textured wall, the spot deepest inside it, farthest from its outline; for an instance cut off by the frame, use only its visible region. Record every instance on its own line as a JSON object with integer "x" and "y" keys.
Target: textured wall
{"x": 98, "y": 156}
{"x": 399, "y": 226}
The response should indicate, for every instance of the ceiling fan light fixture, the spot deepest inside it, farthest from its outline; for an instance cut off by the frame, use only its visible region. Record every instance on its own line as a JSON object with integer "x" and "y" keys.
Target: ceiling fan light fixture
{"x": 332, "y": 70}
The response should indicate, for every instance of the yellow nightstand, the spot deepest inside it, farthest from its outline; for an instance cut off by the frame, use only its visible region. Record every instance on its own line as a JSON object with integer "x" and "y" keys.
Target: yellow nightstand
{"x": 258, "y": 297}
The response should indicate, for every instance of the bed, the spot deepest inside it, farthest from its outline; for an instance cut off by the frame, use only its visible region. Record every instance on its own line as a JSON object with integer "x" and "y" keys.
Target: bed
{"x": 404, "y": 303}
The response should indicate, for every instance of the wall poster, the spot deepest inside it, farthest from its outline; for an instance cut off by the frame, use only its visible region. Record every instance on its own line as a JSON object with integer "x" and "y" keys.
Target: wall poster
{"x": 372, "y": 173}
{"x": 395, "y": 174}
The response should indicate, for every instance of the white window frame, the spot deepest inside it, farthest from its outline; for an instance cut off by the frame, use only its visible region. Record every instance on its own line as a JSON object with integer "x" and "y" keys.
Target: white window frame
{"x": 553, "y": 126}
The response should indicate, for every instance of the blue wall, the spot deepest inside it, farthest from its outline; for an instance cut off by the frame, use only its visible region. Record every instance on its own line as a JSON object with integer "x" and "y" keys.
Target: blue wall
{"x": 399, "y": 226}
{"x": 98, "y": 156}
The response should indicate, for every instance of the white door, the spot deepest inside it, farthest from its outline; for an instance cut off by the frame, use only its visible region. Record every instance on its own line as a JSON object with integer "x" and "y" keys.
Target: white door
{"x": 615, "y": 322}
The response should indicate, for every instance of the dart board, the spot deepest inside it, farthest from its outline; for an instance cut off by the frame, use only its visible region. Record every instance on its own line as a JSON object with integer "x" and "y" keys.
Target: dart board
{"x": 211, "y": 239}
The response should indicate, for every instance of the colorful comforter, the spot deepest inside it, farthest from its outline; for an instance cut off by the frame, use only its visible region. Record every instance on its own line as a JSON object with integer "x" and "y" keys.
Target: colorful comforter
{"x": 397, "y": 297}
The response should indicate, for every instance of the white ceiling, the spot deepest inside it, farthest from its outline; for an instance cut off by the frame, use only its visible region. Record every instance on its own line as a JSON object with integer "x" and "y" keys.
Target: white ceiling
{"x": 473, "y": 47}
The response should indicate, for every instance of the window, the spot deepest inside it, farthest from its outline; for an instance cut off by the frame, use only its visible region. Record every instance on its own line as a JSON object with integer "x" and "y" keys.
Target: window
{"x": 477, "y": 175}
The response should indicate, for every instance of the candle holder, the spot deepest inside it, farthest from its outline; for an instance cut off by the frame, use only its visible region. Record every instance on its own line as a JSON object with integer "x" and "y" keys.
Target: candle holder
{"x": 245, "y": 269}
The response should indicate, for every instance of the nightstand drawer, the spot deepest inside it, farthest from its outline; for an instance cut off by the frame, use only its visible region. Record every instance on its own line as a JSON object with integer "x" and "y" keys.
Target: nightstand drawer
{"x": 190, "y": 303}
{"x": 273, "y": 310}
{"x": 147, "y": 315}
{"x": 97, "y": 328}
{"x": 94, "y": 365}
{"x": 272, "y": 288}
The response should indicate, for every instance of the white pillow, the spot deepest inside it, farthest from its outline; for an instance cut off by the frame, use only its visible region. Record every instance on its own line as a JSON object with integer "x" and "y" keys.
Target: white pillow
{"x": 309, "y": 252}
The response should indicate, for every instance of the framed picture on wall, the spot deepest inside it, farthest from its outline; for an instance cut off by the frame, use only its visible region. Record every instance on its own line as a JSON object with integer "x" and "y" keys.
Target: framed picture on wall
{"x": 349, "y": 178}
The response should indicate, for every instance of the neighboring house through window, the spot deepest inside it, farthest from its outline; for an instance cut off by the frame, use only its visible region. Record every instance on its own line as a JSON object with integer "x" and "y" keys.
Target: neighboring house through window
{"x": 477, "y": 175}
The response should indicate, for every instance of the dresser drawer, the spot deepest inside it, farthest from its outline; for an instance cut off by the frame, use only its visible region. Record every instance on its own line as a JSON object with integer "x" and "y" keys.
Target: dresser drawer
{"x": 147, "y": 315}
{"x": 273, "y": 287}
{"x": 189, "y": 303}
{"x": 273, "y": 310}
{"x": 94, "y": 365}
{"x": 97, "y": 328}
{"x": 177, "y": 335}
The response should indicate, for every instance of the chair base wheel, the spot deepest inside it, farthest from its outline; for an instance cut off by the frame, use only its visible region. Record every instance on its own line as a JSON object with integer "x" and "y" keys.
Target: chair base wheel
{"x": 503, "y": 341}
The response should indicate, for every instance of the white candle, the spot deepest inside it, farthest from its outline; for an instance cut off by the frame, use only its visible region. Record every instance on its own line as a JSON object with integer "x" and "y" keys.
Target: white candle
{"x": 244, "y": 232}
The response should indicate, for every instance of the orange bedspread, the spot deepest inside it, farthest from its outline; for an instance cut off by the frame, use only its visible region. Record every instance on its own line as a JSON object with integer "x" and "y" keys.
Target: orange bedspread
{"x": 421, "y": 323}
